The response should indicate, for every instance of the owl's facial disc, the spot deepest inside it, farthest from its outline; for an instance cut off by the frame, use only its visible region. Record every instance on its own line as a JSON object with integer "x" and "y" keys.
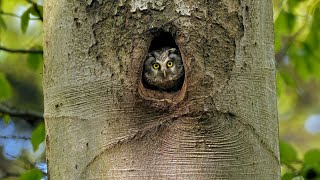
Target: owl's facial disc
{"x": 163, "y": 70}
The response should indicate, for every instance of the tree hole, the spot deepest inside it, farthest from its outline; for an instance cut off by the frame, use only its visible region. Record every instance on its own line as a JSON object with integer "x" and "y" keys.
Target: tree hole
{"x": 162, "y": 39}
{"x": 163, "y": 68}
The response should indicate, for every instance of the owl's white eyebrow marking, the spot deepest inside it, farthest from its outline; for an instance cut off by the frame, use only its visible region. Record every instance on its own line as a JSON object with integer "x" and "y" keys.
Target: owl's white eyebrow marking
{"x": 163, "y": 57}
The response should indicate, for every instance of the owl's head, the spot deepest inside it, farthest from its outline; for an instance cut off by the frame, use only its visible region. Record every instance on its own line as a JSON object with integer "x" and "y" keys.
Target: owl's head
{"x": 163, "y": 69}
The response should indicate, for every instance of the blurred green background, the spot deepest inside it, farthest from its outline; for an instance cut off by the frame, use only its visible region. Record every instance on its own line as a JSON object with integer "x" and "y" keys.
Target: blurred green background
{"x": 297, "y": 56}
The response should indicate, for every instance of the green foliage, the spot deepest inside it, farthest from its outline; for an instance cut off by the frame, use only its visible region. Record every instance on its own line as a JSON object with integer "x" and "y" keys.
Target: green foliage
{"x": 25, "y": 18}
{"x": 33, "y": 174}
{"x": 5, "y": 88}
{"x": 285, "y": 22}
{"x": 38, "y": 136}
{"x": 312, "y": 157}
{"x": 292, "y": 4}
{"x": 297, "y": 38}
{"x": 40, "y": 10}
{"x": 312, "y": 40}
{"x": 34, "y": 10}
{"x": 312, "y": 163}
{"x": 297, "y": 47}
{"x": 308, "y": 168}
{"x": 6, "y": 119}
{"x": 2, "y": 23}
{"x": 298, "y": 178}
{"x": 34, "y": 61}
{"x": 288, "y": 176}
{"x": 287, "y": 153}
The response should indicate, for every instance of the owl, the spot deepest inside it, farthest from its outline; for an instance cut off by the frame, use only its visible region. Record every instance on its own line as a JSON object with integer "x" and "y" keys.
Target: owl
{"x": 163, "y": 70}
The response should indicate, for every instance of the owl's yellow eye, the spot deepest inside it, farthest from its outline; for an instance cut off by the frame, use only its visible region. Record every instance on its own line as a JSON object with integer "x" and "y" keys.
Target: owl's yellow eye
{"x": 156, "y": 66}
{"x": 169, "y": 64}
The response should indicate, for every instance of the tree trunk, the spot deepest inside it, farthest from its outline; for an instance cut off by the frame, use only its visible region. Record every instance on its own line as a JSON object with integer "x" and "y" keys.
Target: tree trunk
{"x": 103, "y": 123}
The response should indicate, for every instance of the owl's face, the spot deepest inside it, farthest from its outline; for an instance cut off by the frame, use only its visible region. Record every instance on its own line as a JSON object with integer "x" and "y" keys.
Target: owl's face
{"x": 163, "y": 69}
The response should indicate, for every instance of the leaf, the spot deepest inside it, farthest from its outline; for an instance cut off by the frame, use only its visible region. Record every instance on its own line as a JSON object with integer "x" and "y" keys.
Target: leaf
{"x": 25, "y": 19}
{"x": 306, "y": 65}
{"x": 6, "y": 119}
{"x": 288, "y": 154}
{"x": 293, "y": 4}
{"x": 34, "y": 60}
{"x": 304, "y": 61}
{"x": 36, "y": 9}
{"x": 287, "y": 78}
{"x": 33, "y": 174}
{"x": 38, "y": 136}
{"x": 40, "y": 10}
{"x": 33, "y": 11}
{"x": 311, "y": 165}
{"x": 298, "y": 178}
{"x": 291, "y": 176}
{"x": 2, "y": 23}
{"x": 283, "y": 25}
{"x": 310, "y": 172}
{"x": 5, "y": 88}
{"x": 287, "y": 176}
{"x": 314, "y": 34}
{"x": 312, "y": 157}
{"x": 285, "y": 22}
{"x": 291, "y": 21}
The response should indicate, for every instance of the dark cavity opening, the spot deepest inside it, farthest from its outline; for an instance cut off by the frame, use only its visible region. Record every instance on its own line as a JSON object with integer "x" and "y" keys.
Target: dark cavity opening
{"x": 162, "y": 39}
{"x": 164, "y": 76}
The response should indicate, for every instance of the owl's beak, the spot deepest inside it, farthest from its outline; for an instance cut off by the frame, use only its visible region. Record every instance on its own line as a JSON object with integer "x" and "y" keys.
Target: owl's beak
{"x": 164, "y": 74}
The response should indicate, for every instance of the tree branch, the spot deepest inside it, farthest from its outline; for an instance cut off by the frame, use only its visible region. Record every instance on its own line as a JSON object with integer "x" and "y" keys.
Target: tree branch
{"x": 14, "y": 15}
{"x": 15, "y": 137}
{"x": 30, "y": 115}
{"x": 32, "y": 51}
{"x": 9, "y": 14}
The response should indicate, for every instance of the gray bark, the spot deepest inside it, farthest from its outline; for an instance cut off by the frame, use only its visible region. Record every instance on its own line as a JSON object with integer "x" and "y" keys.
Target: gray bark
{"x": 101, "y": 123}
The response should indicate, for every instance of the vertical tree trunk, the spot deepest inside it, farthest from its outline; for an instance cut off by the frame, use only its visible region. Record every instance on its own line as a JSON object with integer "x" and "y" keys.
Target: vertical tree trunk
{"x": 103, "y": 123}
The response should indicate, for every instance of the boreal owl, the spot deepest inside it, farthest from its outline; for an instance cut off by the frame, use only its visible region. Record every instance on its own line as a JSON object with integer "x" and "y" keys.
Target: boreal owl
{"x": 163, "y": 70}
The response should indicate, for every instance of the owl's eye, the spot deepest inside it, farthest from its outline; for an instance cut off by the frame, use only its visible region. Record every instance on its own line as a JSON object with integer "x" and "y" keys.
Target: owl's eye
{"x": 169, "y": 64}
{"x": 156, "y": 66}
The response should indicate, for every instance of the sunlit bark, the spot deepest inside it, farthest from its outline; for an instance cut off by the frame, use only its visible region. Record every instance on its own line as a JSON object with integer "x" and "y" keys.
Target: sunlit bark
{"x": 102, "y": 123}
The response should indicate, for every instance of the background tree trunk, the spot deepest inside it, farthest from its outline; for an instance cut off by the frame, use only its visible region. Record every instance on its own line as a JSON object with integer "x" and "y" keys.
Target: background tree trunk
{"x": 103, "y": 124}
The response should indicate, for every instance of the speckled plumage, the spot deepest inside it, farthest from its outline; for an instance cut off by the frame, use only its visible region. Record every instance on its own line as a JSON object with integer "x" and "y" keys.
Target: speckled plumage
{"x": 165, "y": 78}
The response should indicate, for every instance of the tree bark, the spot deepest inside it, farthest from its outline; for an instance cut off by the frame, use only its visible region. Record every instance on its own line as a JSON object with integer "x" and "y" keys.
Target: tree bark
{"x": 102, "y": 123}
